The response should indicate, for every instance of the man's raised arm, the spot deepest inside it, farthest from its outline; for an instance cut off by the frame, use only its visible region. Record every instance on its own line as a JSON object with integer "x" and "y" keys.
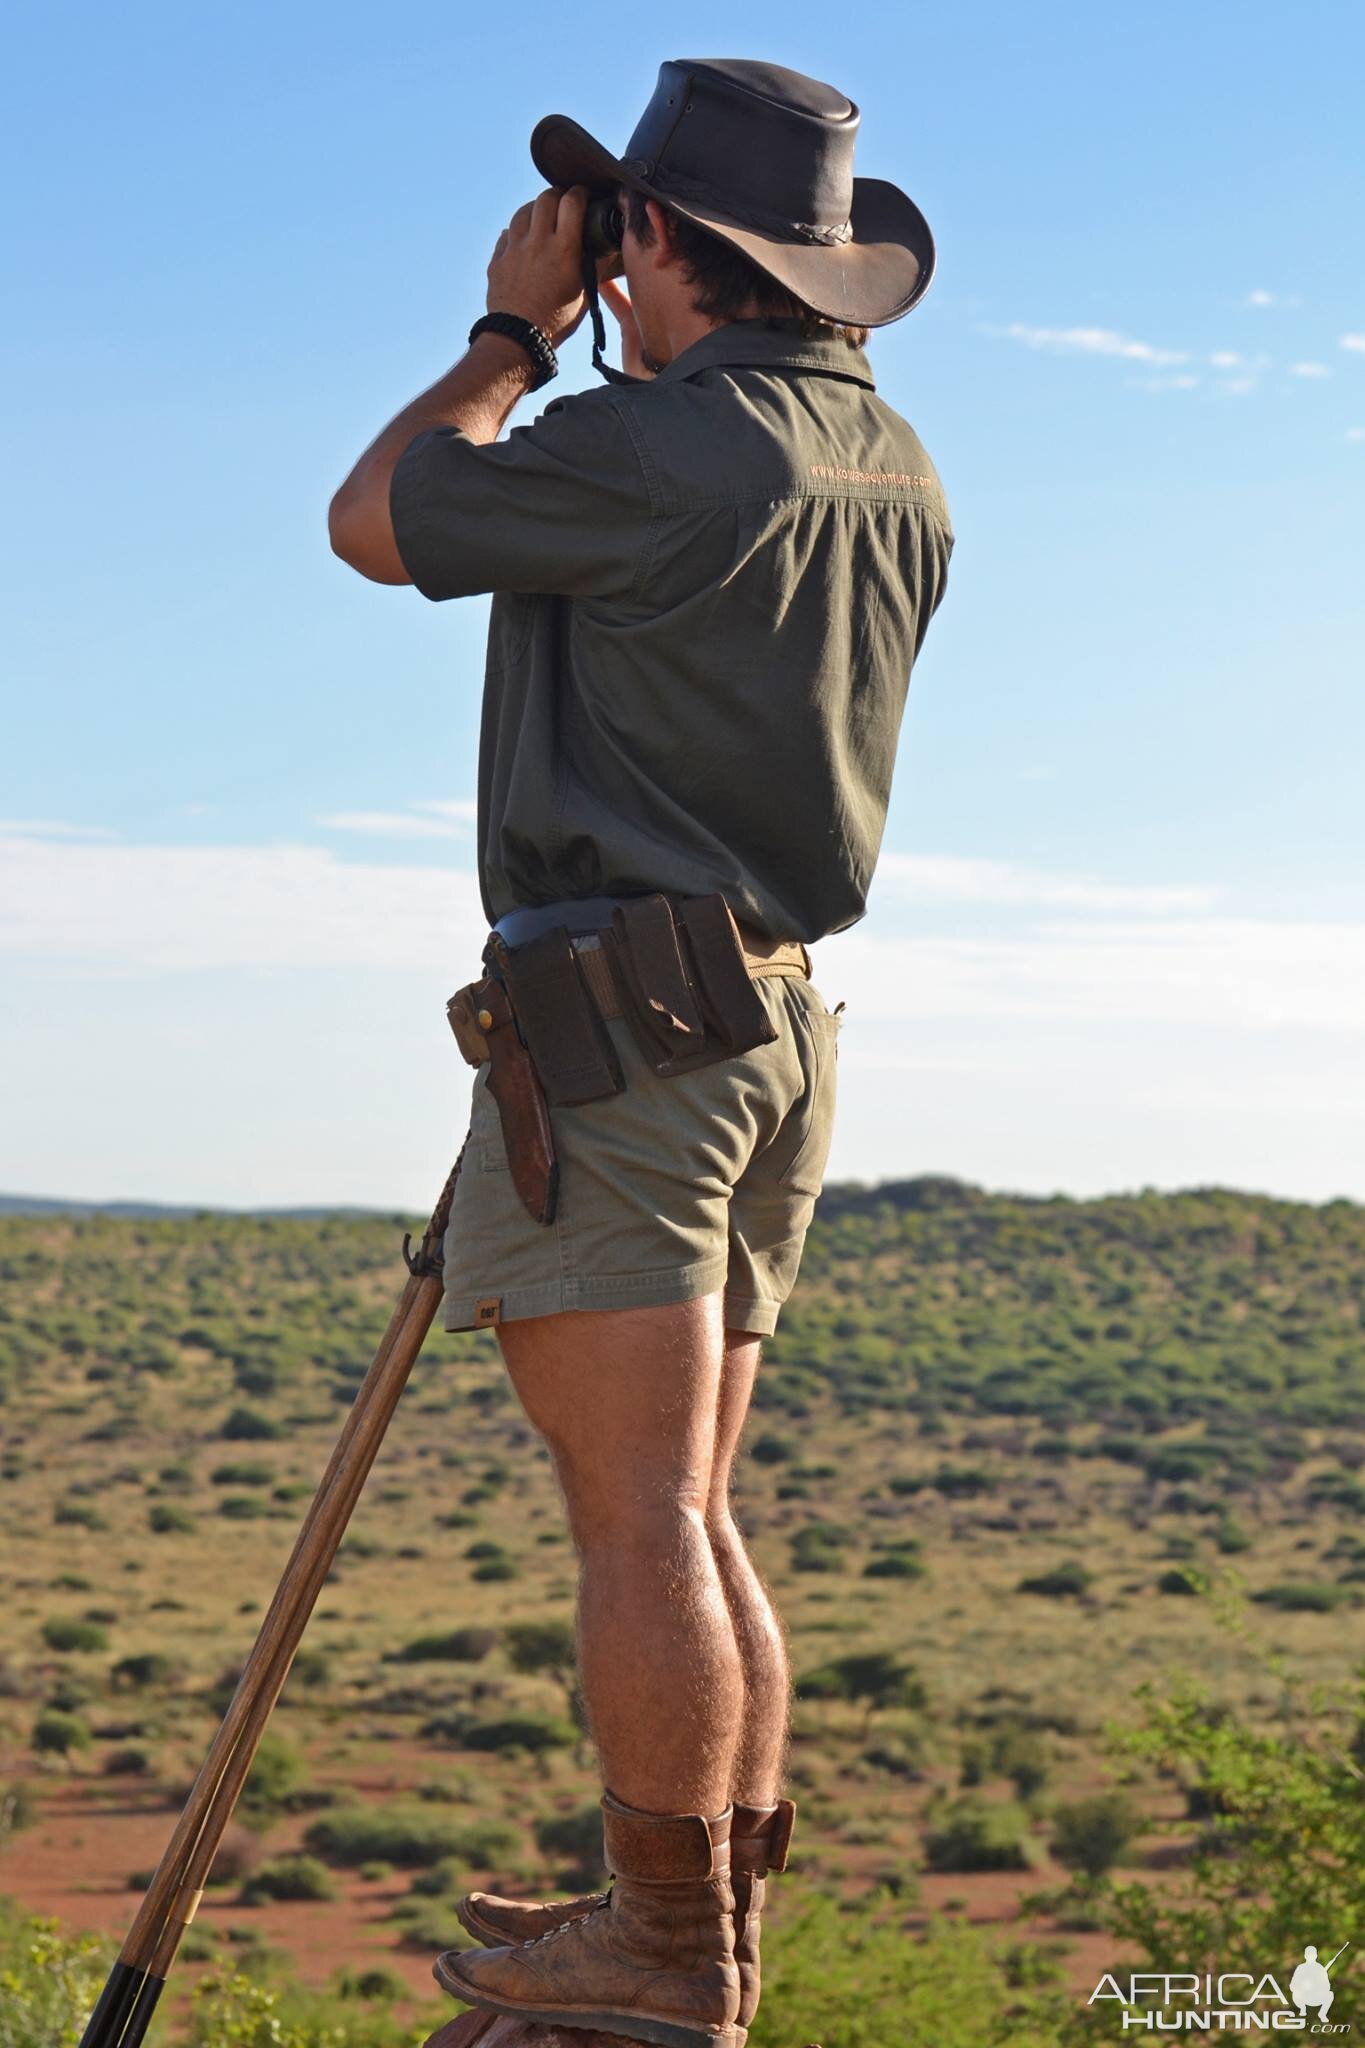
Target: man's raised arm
{"x": 535, "y": 271}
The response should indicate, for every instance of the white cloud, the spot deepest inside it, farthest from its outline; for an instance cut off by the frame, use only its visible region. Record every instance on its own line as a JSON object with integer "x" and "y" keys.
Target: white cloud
{"x": 52, "y": 828}
{"x": 1355, "y": 342}
{"x": 1355, "y": 433}
{"x": 949, "y": 878}
{"x": 392, "y": 825}
{"x": 269, "y": 1016}
{"x": 1225, "y": 359}
{"x": 1094, "y": 341}
{"x": 443, "y": 818}
{"x": 1309, "y": 370}
{"x": 1158, "y": 954}
{"x": 466, "y": 807}
{"x": 1261, "y": 298}
{"x": 1231, "y": 974}
{"x": 133, "y": 908}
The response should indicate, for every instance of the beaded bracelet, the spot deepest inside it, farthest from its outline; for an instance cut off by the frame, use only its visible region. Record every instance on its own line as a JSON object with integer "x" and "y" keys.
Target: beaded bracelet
{"x": 537, "y": 345}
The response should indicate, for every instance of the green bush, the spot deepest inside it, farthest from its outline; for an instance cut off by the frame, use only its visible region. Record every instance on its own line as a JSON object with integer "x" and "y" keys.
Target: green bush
{"x": 1302, "y": 1598}
{"x": 1092, "y": 1834}
{"x": 70, "y": 1693}
{"x": 483, "y": 1844}
{"x": 972, "y": 1835}
{"x": 278, "y": 1776}
{"x": 770, "y": 1449}
{"x": 288, "y": 1878}
{"x": 900, "y": 1757}
{"x": 963, "y": 1482}
{"x": 18, "y": 1810}
{"x": 242, "y": 1474}
{"x": 165, "y": 1519}
{"x": 79, "y": 1514}
{"x": 64, "y": 1635}
{"x": 128, "y": 1761}
{"x": 451, "y": 1646}
{"x": 377, "y": 1985}
{"x": 1181, "y": 1579}
{"x": 895, "y": 1564}
{"x": 519, "y": 1731}
{"x": 235, "y": 2011}
{"x": 242, "y": 1507}
{"x": 56, "y": 1733}
{"x": 145, "y": 1669}
{"x": 311, "y": 1669}
{"x": 411, "y": 1838}
{"x": 875, "y": 1677}
{"x": 48, "y": 1983}
{"x": 1283, "y": 1843}
{"x": 817, "y": 1548}
{"x": 534, "y": 1646}
{"x": 576, "y": 1840}
{"x": 1062, "y": 1581}
{"x": 847, "y": 1973}
{"x": 249, "y": 1426}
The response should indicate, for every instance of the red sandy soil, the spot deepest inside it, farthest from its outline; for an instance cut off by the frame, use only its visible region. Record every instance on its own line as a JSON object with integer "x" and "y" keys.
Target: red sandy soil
{"x": 74, "y": 1863}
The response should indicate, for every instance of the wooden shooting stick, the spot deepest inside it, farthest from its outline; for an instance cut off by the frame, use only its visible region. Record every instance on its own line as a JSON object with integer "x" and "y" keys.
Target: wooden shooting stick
{"x": 129, "y": 1998}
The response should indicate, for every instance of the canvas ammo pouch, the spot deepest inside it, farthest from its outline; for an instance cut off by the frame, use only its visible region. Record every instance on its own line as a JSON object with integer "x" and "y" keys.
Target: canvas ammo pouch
{"x": 677, "y": 976}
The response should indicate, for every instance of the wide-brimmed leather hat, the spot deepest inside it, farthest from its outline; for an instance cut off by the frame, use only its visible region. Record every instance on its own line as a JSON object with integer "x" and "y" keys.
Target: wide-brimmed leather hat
{"x": 763, "y": 157}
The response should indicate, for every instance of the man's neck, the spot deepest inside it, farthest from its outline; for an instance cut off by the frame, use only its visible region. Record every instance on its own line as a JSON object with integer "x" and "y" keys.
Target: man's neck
{"x": 686, "y": 325}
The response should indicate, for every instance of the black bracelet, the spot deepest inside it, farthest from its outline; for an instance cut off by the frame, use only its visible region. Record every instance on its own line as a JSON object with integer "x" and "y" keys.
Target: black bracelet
{"x": 537, "y": 345}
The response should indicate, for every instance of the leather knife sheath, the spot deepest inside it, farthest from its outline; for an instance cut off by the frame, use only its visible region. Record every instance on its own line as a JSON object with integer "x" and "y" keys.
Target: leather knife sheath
{"x": 515, "y": 1087}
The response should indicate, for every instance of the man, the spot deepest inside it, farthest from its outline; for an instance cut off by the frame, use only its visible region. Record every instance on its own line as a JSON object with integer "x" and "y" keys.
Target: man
{"x": 710, "y": 577}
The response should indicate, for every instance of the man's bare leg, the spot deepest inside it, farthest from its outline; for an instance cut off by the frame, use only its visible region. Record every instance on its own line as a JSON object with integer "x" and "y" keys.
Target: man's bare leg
{"x": 759, "y": 1756}
{"x": 627, "y": 1401}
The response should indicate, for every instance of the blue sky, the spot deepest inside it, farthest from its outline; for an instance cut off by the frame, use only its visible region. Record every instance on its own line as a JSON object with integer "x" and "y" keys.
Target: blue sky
{"x": 1118, "y": 936}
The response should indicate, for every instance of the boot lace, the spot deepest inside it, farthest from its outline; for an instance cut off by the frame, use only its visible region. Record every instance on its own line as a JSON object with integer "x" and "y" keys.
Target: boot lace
{"x": 553, "y": 1933}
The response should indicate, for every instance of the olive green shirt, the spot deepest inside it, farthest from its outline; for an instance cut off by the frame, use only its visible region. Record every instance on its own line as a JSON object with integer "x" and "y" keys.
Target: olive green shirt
{"x": 708, "y": 588}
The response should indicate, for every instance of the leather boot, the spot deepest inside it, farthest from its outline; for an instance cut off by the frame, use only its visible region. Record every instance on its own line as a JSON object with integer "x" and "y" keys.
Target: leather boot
{"x": 759, "y": 1836}
{"x": 654, "y": 1960}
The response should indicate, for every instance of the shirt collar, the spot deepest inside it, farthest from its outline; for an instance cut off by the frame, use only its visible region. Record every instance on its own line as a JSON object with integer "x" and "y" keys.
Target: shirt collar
{"x": 765, "y": 342}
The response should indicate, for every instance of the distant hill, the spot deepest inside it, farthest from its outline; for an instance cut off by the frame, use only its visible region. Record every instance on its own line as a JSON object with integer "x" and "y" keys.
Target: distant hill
{"x": 924, "y": 1191}
{"x": 141, "y": 1212}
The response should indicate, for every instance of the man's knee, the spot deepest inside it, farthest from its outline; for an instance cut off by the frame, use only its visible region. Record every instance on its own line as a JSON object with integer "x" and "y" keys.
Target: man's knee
{"x": 629, "y": 1516}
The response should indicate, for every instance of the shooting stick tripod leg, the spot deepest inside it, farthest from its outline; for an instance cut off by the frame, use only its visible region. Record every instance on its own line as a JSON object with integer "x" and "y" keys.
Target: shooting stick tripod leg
{"x": 129, "y": 1998}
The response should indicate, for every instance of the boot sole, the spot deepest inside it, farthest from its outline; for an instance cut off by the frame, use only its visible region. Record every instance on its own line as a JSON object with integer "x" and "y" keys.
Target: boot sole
{"x": 642, "y": 2026}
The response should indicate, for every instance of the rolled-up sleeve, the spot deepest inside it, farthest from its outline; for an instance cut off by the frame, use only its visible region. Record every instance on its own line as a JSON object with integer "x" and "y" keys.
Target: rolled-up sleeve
{"x": 560, "y": 507}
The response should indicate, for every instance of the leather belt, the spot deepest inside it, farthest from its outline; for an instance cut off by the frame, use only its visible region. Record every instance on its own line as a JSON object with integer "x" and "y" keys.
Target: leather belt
{"x": 762, "y": 957}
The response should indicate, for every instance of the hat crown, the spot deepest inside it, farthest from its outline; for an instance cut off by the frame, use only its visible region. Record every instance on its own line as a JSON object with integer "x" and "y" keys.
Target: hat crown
{"x": 725, "y": 129}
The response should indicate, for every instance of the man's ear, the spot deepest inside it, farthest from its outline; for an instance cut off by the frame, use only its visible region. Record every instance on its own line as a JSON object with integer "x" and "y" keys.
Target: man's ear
{"x": 661, "y": 220}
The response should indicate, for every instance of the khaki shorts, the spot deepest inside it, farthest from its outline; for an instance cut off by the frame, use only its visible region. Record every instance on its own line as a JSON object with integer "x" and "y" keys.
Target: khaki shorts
{"x": 674, "y": 1188}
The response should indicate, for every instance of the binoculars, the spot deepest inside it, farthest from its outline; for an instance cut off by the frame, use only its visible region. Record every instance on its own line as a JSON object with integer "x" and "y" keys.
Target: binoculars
{"x": 604, "y": 226}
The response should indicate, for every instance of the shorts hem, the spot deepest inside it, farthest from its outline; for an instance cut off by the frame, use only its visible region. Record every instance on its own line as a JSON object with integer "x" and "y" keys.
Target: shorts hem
{"x": 608, "y": 1290}
{"x": 756, "y": 1317}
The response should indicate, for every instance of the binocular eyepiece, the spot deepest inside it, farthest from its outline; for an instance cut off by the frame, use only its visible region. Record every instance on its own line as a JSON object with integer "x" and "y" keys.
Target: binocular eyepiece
{"x": 604, "y": 227}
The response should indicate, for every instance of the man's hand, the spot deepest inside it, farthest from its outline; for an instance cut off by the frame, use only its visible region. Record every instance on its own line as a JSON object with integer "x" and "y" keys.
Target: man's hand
{"x": 537, "y": 267}
{"x": 634, "y": 361}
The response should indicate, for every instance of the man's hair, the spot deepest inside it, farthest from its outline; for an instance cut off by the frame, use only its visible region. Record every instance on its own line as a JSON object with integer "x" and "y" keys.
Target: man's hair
{"x": 726, "y": 283}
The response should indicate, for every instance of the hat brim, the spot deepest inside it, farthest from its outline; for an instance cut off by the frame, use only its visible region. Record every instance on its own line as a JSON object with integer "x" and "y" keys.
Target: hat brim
{"x": 867, "y": 282}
